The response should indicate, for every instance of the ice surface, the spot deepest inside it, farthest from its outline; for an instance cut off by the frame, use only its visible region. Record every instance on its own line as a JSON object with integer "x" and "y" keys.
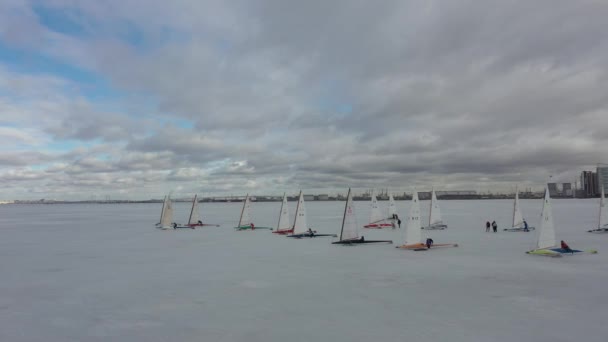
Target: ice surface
{"x": 104, "y": 273}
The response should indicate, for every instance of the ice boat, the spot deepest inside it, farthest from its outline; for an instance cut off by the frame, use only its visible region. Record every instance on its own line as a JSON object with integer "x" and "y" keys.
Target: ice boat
{"x": 376, "y": 219}
{"x": 435, "y": 221}
{"x": 166, "y": 215}
{"x": 284, "y": 227}
{"x": 300, "y": 226}
{"x": 546, "y": 244}
{"x": 413, "y": 234}
{"x": 245, "y": 221}
{"x": 349, "y": 234}
{"x": 194, "y": 219}
{"x": 518, "y": 220}
{"x": 602, "y": 226}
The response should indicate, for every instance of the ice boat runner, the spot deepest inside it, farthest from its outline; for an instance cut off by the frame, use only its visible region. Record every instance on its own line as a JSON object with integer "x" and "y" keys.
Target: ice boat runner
{"x": 413, "y": 234}
{"x": 166, "y": 215}
{"x": 194, "y": 218}
{"x": 376, "y": 219}
{"x": 284, "y": 227}
{"x": 300, "y": 227}
{"x": 435, "y": 221}
{"x": 348, "y": 233}
{"x": 602, "y": 226}
{"x": 519, "y": 224}
{"x": 546, "y": 244}
{"x": 245, "y": 221}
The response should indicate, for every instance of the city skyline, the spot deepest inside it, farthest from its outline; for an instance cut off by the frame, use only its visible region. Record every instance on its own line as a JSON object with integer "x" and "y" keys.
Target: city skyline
{"x": 126, "y": 100}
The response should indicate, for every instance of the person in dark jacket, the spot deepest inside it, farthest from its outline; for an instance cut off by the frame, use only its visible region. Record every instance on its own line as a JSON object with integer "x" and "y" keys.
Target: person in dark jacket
{"x": 487, "y": 226}
{"x": 494, "y": 226}
{"x": 429, "y": 243}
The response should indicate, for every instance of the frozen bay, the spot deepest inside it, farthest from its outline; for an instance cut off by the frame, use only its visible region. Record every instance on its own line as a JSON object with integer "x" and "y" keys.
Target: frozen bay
{"x": 102, "y": 272}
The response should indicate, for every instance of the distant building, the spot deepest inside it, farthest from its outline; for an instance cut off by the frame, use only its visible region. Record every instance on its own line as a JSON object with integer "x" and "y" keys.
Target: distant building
{"x": 602, "y": 177}
{"x": 589, "y": 184}
{"x": 552, "y": 189}
{"x": 309, "y": 197}
{"x": 567, "y": 189}
{"x": 322, "y": 197}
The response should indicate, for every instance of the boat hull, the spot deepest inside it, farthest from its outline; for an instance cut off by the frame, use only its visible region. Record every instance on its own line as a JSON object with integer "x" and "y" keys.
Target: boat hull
{"x": 423, "y": 247}
{"x": 558, "y": 252}
{"x": 203, "y": 225}
{"x": 436, "y": 227}
{"x": 360, "y": 241}
{"x": 379, "y": 225}
{"x": 249, "y": 228}
{"x": 299, "y": 236}
{"x": 283, "y": 231}
{"x": 518, "y": 229}
{"x": 598, "y": 231}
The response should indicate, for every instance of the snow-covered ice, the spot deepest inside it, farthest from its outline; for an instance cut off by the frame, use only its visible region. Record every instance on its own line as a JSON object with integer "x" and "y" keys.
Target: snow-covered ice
{"x": 86, "y": 272}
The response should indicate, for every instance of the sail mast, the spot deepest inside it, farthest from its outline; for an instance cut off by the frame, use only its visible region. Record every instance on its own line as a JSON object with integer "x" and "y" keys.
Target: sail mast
{"x": 432, "y": 205}
{"x": 602, "y": 216}
{"x": 515, "y": 204}
{"x": 192, "y": 209}
{"x": 281, "y": 213}
{"x": 344, "y": 217}
{"x": 243, "y": 209}
{"x": 162, "y": 210}
{"x": 295, "y": 219}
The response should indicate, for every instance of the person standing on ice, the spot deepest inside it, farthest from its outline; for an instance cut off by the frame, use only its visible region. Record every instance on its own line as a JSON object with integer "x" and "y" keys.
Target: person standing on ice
{"x": 487, "y": 226}
{"x": 494, "y": 226}
{"x": 526, "y": 226}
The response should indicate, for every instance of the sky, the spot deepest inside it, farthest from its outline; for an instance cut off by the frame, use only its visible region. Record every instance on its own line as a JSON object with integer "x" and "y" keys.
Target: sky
{"x": 134, "y": 99}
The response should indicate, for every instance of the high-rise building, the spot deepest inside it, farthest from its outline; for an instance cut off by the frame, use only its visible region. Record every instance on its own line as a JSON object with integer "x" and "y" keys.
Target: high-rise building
{"x": 602, "y": 177}
{"x": 567, "y": 189}
{"x": 552, "y": 189}
{"x": 589, "y": 183}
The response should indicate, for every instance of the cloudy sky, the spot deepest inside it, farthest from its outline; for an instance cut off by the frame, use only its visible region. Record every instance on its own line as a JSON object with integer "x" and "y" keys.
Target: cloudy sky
{"x": 134, "y": 98}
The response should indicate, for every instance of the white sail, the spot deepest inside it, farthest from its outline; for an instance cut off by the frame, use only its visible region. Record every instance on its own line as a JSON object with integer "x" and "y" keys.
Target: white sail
{"x": 435, "y": 212}
{"x": 167, "y": 218}
{"x": 392, "y": 208}
{"x": 349, "y": 221}
{"x": 546, "y": 235}
{"x": 245, "y": 212}
{"x": 412, "y": 232}
{"x": 603, "y": 222}
{"x": 284, "y": 215}
{"x": 518, "y": 220}
{"x": 194, "y": 214}
{"x": 299, "y": 224}
{"x": 375, "y": 215}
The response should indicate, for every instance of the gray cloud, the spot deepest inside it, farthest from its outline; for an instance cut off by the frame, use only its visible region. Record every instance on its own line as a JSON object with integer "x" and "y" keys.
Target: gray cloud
{"x": 322, "y": 94}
